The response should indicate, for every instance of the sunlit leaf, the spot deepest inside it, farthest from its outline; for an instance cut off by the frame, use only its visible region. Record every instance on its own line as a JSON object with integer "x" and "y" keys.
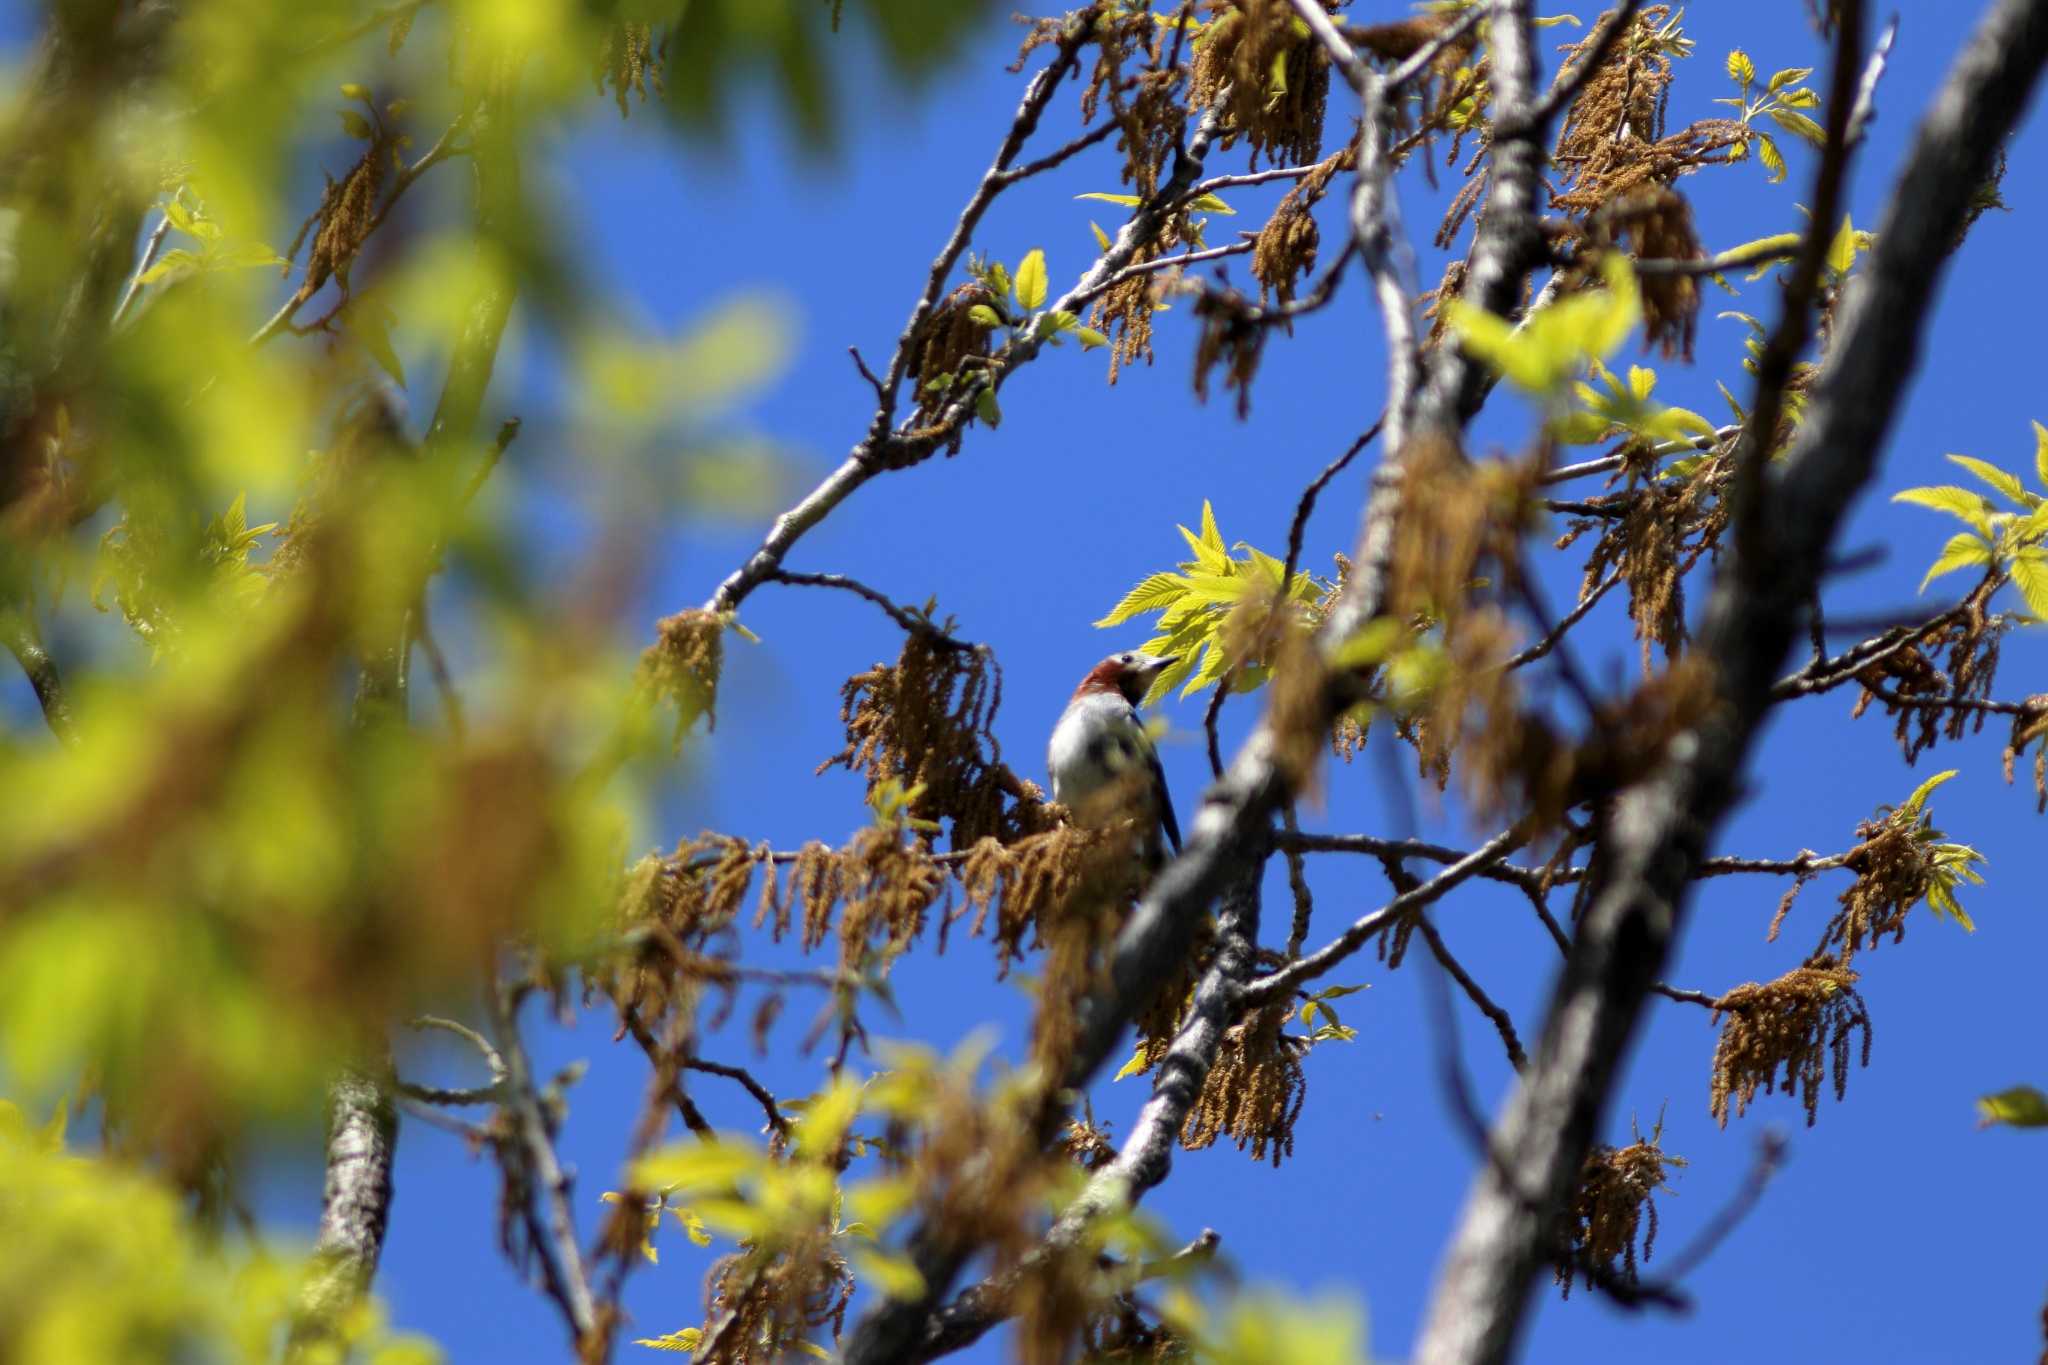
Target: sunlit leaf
{"x": 2020, "y": 1107}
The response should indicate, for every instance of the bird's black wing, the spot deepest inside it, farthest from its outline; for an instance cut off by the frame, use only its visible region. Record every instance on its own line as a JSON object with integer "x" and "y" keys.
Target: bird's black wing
{"x": 1165, "y": 800}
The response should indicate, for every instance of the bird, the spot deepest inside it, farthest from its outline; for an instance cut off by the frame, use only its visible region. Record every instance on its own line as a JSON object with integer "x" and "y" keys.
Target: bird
{"x": 1104, "y": 767}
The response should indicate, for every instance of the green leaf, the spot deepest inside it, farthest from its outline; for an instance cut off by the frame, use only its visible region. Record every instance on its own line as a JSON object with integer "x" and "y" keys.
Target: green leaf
{"x": 826, "y": 1119}
{"x": 1210, "y": 203}
{"x": 180, "y": 217}
{"x": 895, "y": 1275}
{"x": 1973, "y": 508}
{"x": 686, "y": 1341}
{"x": 1791, "y": 75}
{"x": 2041, "y": 453}
{"x": 1152, "y": 594}
{"x": 1101, "y": 237}
{"x": 1842, "y": 251}
{"x": 1127, "y": 200}
{"x": 1031, "y": 279}
{"x": 697, "y": 1165}
{"x": 1090, "y": 338}
{"x": 1208, "y": 558}
{"x": 1553, "y": 342}
{"x": 2030, "y": 576}
{"x": 1920, "y": 793}
{"x": 355, "y": 125}
{"x": 693, "y": 1226}
{"x": 1964, "y": 550}
{"x": 177, "y": 261}
{"x": 985, "y": 315}
{"x": 353, "y": 91}
{"x": 1799, "y": 125}
{"x": 1773, "y": 160}
{"x": 2020, "y": 1107}
{"x": 1997, "y": 479}
{"x": 1741, "y": 69}
{"x": 986, "y": 408}
{"x": 1212, "y": 536}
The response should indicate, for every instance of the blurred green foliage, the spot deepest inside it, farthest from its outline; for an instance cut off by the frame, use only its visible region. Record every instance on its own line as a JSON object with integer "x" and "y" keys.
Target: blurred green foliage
{"x": 239, "y": 516}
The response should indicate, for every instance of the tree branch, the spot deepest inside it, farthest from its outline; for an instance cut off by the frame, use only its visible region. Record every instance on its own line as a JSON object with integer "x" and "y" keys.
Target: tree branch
{"x": 18, "y": 631}
{"x": 1140, "y": 1164}
{"x": 1656, "y": 829}
{"x": 1277, "y": 985}
{"x": 355, "y": 1207}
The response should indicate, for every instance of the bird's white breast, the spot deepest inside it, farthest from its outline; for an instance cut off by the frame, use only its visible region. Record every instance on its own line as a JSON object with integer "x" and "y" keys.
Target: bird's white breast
{"x": 1099, "y": 739}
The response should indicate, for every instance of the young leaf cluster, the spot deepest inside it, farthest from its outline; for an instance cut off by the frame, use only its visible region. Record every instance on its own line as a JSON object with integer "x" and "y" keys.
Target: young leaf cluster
{"x": 1195, "y": 605}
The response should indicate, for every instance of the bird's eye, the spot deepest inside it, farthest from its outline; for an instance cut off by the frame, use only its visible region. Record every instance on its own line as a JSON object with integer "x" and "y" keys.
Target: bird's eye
{"x": 1123, "y": 658}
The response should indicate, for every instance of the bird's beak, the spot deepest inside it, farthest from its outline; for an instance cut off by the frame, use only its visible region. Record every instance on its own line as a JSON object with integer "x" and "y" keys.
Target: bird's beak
{"x": 1158, "y": 664}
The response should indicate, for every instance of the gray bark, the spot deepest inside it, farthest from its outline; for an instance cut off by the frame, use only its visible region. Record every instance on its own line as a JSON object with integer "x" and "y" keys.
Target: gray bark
{"x": 1655, "y": 837}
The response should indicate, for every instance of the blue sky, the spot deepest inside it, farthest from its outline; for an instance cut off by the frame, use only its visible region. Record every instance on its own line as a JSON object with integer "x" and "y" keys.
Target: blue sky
{"x": 1897, "y": 1231}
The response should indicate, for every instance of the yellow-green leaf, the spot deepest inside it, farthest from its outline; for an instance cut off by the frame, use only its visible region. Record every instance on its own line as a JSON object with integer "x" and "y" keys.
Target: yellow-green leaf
{"x": 985, "y": 315}
{"x": 2020, "y": 1107}
{"x": 1210, "y": 203}
{"x": 1152, "y": 594}
{"x": 1791, "y": 75}
{"x": 1924, "y": 790}
{"x": 1741, "y": 69}
{"x": 693, "y": 1226}
{"x": 1773, "y": 160}
{"x": 1799, "y": 125}
{"x": 1842, "y": 251}
{"x": 826, "y": 1119}
{"x": 697, "y": 1165}
{"x": 2030, "y": 576}
{"x": 1964, "y": 550}
{"x": 1101, "y": 237}
{"x": 1128, "y": 200}
{"x": 1973, "y": 508}
{"x": 1133, "y": 1066}
{"x": 685, "y": 1341}
{"x": 896, "y": 1276}
{"x": 1031, "y": 279}
{"x": 1998, "y": 479}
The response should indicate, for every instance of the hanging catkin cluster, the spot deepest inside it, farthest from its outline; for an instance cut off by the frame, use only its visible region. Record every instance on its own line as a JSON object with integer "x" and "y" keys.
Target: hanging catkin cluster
{"x": 923, "y": 723}
{"x": 1271, "y": 77}
{"x": 1613, "y": 1203}
{"x": 1255, "y": 1089}
{"x": 682, "y": 665}
{"x": 1797, "y": 1024}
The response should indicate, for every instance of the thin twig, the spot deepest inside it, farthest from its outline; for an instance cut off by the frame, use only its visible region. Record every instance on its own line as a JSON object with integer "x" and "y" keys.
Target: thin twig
{"x": 1502, "y": 1023}
{"x": 1571, "y": 618}
{"x": 753, "y": 1087}
{"x": 18, "y": 631}
{"x": 911, "y": 621}
{"x": 156, "y": 241}
{"x": 1276, "y": 985}
{"x": 1865, "y": 112}
{"x": 1305, "y": 506}
{"x": 560, "y": 1254}
{"x": 1756, "y": 253}
{"x": 1186, "y": 258}
{"x": 1425, "y": 56}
